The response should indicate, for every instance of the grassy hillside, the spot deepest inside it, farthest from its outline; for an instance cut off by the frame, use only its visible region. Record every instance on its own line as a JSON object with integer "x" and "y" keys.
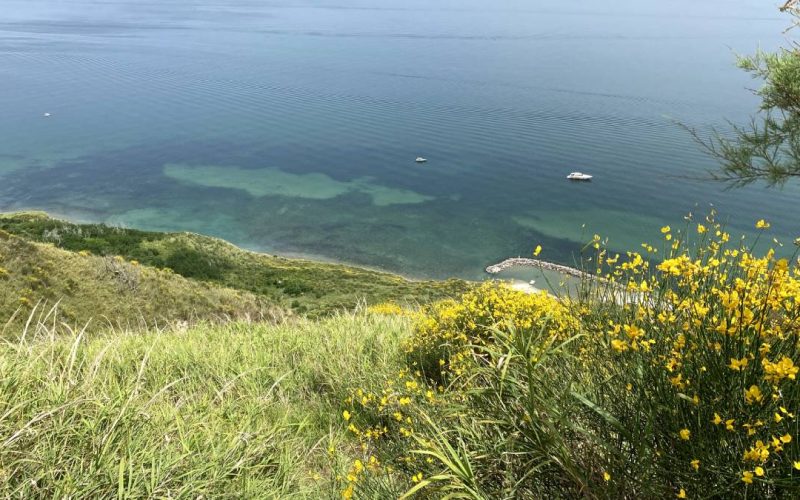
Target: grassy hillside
{"x": 233, "y": 411}
{"x": 307, "y": 287}
{"x": 109, "y": 289}
{"x": 686, "y": 389}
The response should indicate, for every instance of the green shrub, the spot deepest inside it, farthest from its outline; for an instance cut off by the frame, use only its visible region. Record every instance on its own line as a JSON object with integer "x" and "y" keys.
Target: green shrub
{"x": 681, "y": 380}
{"x": 193, "y": 264}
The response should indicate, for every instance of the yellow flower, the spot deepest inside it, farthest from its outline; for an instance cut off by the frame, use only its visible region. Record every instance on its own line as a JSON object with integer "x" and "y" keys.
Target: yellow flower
{"x": 701, "y": 229}
{"x": 678, "y": 381}
{"x": 753, "y": 395}
{"x": 759, "y": 471}
{"x": 619, "y": 345}
{"x": 786, "y": 438}
{"x": 695, "y": 464}
{"x": 737, "y": 364}
{"x": 347, "y": 494}
{"x": 757, "y": 453}
{"x": 537, "y": 251}
{"x": 797, "y": 465}
{"x": 682, "y": 493}
{"x": 607, "y": 476}
{"x": 387, "y": 308}
{"x": 685, "y": 434}
{"x": 778, "y": 418}
{"x": 729, "y": 424}
{"x": 762, "y": 224}
{"x": 346, "y": 415}
{"x": 717, "y": 419}
{"x": 665, "y": 229}
{"x": 747, "y": 477}
{"x": 783, "y": 368}
{"x": 633, "y": 332}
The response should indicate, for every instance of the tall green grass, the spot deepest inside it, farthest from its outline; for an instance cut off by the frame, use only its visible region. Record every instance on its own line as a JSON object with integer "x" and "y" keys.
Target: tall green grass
{"x": 236, "y": 411}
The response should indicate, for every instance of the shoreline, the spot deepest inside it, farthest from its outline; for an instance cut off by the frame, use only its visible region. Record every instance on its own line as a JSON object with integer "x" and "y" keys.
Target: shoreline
{"x": 291, "y": 256}
{"x": 321, "y": 259}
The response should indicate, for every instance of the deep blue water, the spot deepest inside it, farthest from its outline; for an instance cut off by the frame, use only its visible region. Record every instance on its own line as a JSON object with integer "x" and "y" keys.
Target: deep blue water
{"x": 292, "y": 126}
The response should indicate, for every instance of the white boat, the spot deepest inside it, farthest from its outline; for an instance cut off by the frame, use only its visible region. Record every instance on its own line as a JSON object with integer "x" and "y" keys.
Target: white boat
{"x": 47, "y": 115}
{"x": 579, "y": 176}
{"x": 421, "y": 159}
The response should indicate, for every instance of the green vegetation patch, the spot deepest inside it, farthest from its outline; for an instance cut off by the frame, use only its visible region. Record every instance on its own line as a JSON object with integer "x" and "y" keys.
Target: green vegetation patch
{"x": 307, "y": 287}
{"x": 36, "y": 276}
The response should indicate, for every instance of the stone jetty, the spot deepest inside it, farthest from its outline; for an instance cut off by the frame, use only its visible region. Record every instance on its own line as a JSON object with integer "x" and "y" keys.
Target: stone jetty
{"x": 541, "y": 264}
{"x": 619, "y": 293}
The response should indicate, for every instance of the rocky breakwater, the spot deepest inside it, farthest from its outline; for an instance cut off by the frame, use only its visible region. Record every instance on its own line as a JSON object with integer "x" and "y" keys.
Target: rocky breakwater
{"x": 541, "y": 264}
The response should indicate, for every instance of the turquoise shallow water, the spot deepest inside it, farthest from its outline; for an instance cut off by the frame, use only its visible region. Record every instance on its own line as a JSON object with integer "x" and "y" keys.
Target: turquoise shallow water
{"x": 292, "y": 126}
